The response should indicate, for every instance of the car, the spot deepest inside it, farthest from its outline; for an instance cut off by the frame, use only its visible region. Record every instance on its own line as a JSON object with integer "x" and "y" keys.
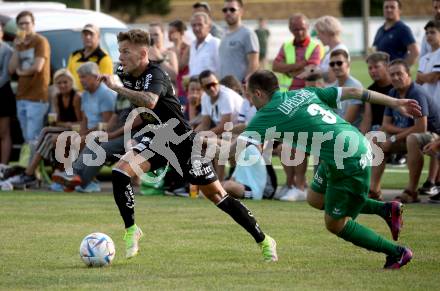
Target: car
{"x": 62, "y": 27}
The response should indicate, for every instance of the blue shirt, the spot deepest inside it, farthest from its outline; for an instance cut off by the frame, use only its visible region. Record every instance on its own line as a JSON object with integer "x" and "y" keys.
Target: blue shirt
{"x": 394, "y": 40}
{"x": 430, "y": 108}
{"x": 94, "y": 104}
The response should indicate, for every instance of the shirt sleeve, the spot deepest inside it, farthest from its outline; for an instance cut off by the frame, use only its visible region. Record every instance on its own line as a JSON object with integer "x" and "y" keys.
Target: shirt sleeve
{"x": 106, "y": 65}
{"x": 42, "y": 49}
{"x": 280, "y": 56}
{"x": 156, "y": 82}
{"x": 226, "y": 104}
{"x": 251, "y": 43}
{"x": 407, "y": 36}
{"x": 388, "y": 112}
{"x": 331, "y": 96}
{"x": 421, "y": 98}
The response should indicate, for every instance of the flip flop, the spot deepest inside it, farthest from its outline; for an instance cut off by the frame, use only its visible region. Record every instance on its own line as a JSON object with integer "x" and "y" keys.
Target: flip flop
{"x": 407, "y": 197}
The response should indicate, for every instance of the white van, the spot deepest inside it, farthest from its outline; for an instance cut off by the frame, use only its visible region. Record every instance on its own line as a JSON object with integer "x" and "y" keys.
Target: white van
{"x": 62, "y": 27}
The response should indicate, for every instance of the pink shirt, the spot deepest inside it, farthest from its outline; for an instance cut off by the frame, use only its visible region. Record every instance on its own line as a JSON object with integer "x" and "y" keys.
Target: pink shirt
{"x": 300, "y": 51}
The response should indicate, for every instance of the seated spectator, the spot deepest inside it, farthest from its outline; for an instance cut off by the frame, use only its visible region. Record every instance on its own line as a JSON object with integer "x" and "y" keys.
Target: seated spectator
{"x": 7, "y": 110}
{"x": 83, "y": 176}
{"x": 328, "y": 29}
{"x": 97, "y": 100}
{"x": 159, "y": 54}
{"x": 249, "y": 180}
{"x": 378, "y": 71}
{"x": 398, "y": 128}
{"x": 232, "y": 83}
{"x": 68, "y": 113}
{"x": 219, "y": 104}
{"x": 433, "y": 150}
{"x": 351, "y": 110}
{"x": 194, "y": 101}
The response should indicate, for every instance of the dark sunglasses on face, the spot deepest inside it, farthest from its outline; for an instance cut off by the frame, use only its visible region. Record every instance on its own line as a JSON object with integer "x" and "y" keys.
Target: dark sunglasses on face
{"x": 231, "y": 9}
{"x": 337, "y": 63}
{"x": 209, "y": 85}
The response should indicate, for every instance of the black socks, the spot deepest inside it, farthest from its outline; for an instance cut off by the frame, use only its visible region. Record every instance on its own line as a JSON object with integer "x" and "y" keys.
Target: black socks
{"x": 124, "y": 196}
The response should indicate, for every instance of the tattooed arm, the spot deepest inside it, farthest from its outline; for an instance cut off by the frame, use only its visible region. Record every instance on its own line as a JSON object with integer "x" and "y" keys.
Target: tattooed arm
{"x": 138, "y": 98}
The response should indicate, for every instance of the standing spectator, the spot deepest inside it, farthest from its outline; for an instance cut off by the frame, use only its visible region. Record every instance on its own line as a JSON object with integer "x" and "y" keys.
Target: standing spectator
{"x": 215, "y": 30}
{"x": 328, "y": 29}
{"x": 395, "y": 37}
{"x": 176, "y": 32}
{"x": 426, "y": 48}
{"x": 239, "y": 47}
{"x": 294, "y": 55}
{"x": 263, "y": 36}
{"x": 219, "y": 104}
{"x": 31, "y": 63}
{"x": 91, "y": 52}
{"x": 351, "y": 110}
{"x": 159, "y": 54}
{"x": 7, "y": 110}
{"x": 378, "y": 70}
{"x": 398, "y": 127}
{"x": 428, "y": 74}
{"x": 204, "y": 49}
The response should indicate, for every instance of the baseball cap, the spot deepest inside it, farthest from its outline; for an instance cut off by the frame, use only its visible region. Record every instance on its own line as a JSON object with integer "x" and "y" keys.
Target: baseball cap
{"x": 202, "y": 4}
{"x": 92, "y": 28}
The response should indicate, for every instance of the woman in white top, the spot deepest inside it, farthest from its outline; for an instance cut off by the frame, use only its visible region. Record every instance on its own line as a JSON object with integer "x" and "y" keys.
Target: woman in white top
{"x": 329, "y": 31}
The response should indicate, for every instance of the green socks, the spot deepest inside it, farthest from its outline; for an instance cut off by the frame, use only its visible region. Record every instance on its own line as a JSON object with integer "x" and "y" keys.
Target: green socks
{"x": 364, "y": 237}
{"x": 372, "y": 206}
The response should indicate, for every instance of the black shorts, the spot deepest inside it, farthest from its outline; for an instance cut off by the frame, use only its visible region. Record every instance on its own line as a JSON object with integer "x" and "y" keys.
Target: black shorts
{"x": 195, "y": 169}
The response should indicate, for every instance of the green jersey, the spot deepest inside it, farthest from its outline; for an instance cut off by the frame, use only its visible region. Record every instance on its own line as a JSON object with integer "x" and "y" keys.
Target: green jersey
{"x": 305, "y": 119}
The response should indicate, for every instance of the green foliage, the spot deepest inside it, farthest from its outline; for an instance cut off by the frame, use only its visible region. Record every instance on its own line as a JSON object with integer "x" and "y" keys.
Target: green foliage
{"x": 191, "y": 245}
{"x": 353, "y": 8}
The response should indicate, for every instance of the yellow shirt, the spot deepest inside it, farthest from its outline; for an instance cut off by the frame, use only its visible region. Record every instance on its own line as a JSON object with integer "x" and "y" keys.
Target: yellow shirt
{"x": 99, "y": 56}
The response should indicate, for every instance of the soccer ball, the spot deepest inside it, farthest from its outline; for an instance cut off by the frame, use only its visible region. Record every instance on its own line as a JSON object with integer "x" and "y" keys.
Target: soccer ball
{"x": 97, "y": 250}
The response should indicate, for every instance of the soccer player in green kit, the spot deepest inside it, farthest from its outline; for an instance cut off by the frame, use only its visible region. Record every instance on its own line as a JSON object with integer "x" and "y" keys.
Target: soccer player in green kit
{"x": 341, "y": 184}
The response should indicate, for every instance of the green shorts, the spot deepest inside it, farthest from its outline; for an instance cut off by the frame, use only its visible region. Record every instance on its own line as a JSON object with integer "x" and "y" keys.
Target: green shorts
{"x": 345, "y": 190}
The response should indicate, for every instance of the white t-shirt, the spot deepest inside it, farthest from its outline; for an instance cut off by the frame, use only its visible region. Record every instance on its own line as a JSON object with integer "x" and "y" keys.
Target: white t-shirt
{"x": 427, "y": 64}
{"x": 425, "y": 47}
{"x": 247, "y": 112}
{"x": 205, "y": 56}
{"x": 228, "y": 102}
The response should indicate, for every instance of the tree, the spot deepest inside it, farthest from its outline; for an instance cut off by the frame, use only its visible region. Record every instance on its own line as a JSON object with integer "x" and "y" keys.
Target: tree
{"x": 353, "y": 8}
{"x": 135, "y": 8}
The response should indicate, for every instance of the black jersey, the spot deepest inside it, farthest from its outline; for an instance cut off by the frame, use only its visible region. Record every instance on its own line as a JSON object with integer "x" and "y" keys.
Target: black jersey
{"x": 156, "y": 81}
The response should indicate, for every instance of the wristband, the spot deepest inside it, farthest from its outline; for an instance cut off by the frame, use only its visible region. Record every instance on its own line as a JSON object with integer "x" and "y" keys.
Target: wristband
{"x": 365, "y": 95}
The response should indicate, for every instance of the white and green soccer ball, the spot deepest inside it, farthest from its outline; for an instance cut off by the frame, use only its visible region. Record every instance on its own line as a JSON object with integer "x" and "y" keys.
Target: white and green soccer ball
{"x": 97, "y": 250}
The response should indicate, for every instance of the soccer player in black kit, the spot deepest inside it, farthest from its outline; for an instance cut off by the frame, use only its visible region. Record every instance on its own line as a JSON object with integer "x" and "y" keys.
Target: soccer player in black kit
{"x": 146, "y": 85}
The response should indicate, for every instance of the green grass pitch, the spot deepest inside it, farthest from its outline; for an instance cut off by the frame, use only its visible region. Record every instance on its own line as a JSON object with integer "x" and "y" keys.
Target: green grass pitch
{"x": 190, "y": 245}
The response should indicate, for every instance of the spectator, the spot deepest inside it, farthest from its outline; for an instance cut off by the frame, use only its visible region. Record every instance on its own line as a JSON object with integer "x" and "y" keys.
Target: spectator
{"x": 239, "y": 47}
{"x": 219, "y": 104}
{"x": 394, "y": 36}
{"x": 91, "y": 52}
{"x": 31, "y": 63}
{"x": 83, "y": 172}
{"x": 426, "y": 48}
{"x": 97, "y": 100}
{"x": 263, "y": 36}
{"x": 328, "y": 29}
{"x": 398, "y": 127}
{"x": 161, "y": 55}
{"x": 68, "y": 112}
{"x": 351, "y": 110}
{"x": 378, "y": 70}
{"x": 204, "y": 49}
{"x": 232, "y": 83}
{"x": 294, "y": 55}
{"x": 194, "y": 101}
{"x": 7, "y": 110}
{"x": 249, "y": 181}
{"x": 215, "y": 30}
{"x": 176, "y": 32}
{"x": 432, "y": 149}
{"x": 428, "y": 74}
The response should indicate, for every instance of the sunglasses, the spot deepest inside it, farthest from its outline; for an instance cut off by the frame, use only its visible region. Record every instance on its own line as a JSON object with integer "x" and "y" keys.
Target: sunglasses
{"x": 209, "y": 85}
{"x": 231, "y": 9}
{"x": 337, "y": 63}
